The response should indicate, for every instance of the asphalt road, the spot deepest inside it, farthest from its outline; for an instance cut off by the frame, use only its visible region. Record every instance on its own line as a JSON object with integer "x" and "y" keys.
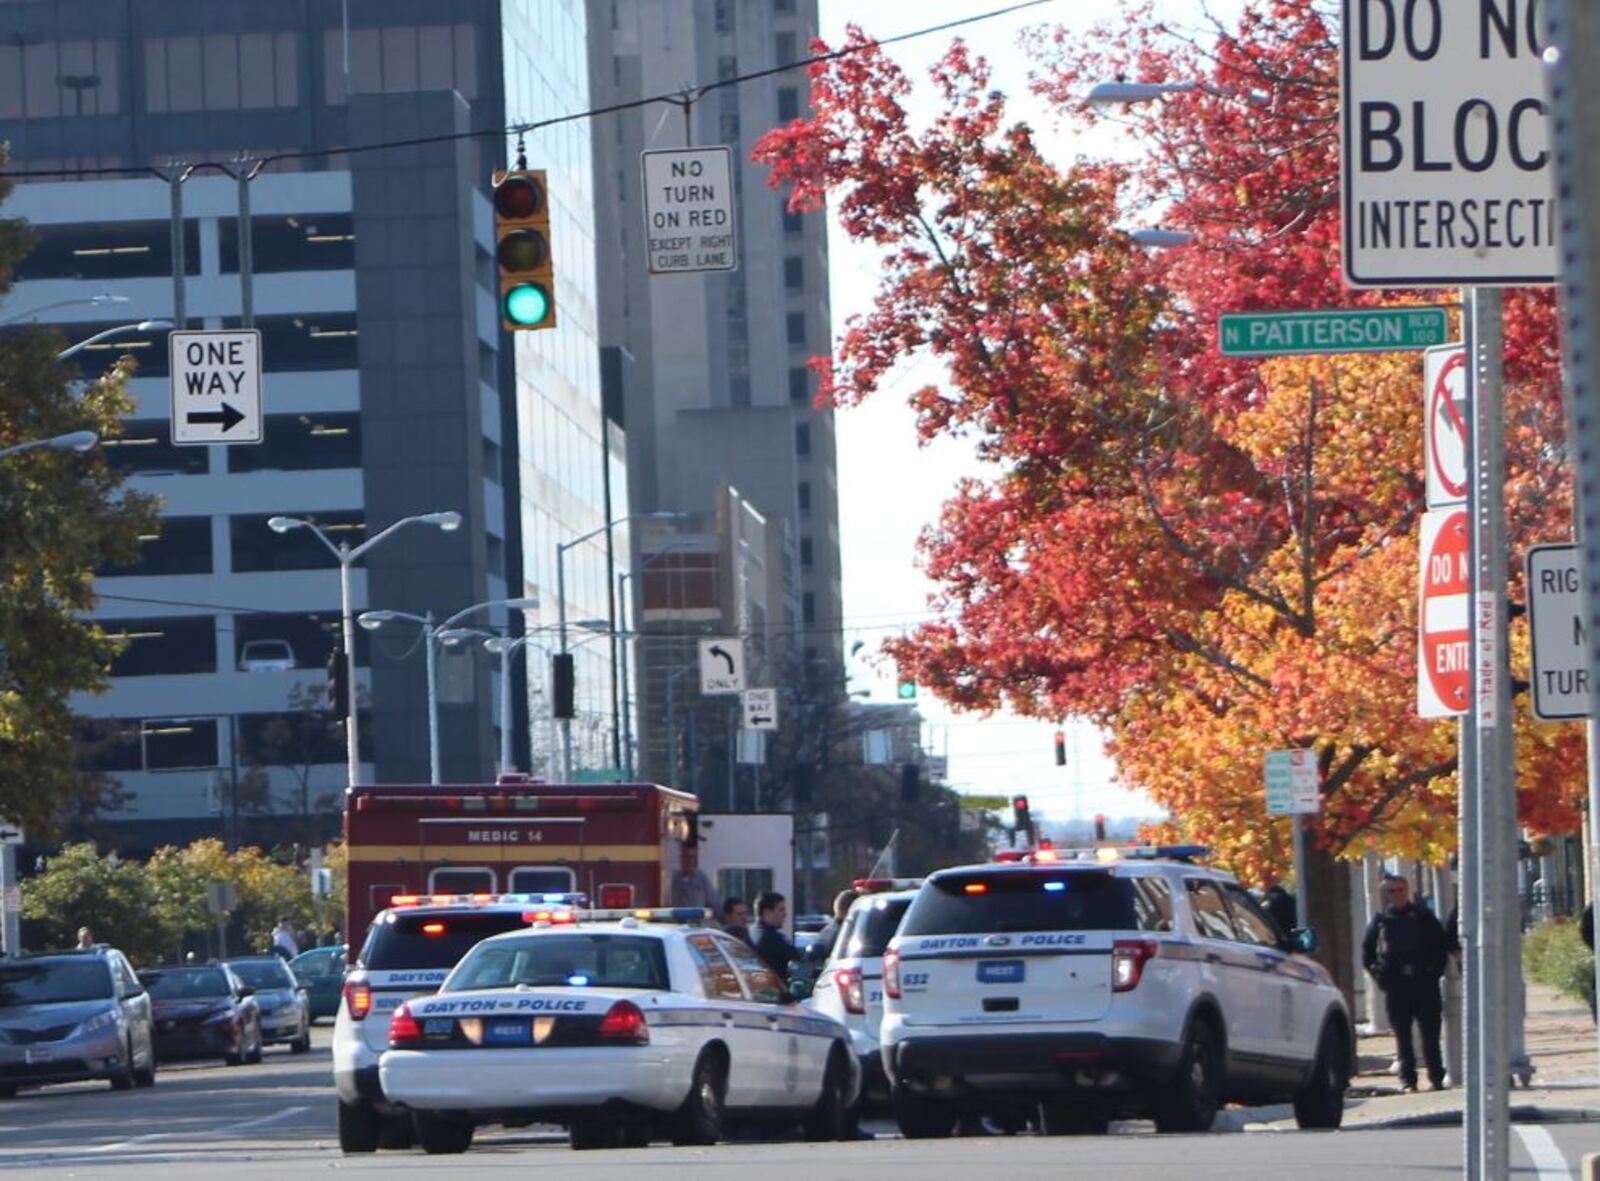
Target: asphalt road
{"x": 276, "y": 1120}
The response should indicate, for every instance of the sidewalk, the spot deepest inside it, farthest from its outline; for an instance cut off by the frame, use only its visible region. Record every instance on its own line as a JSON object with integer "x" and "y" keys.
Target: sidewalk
{"x": 1562, "y": 1045}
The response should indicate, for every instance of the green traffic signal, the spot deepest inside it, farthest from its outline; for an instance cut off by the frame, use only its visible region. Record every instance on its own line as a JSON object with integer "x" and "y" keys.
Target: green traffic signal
{"x": 907, "y": 691}
{"x": 527, "y": 304}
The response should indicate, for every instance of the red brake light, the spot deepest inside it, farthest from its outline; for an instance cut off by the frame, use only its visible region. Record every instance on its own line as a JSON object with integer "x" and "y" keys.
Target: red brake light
{"x": 403, "y": 1029}
{"x": 357, "y": 999}
{"x": 433, "y": 928}
{"x": 976, "y": 887}
{"x": 1128, "y": 958}
{"x": 891, "y": 973}
{"x": 624, "y": 1022}
{"x": 849, "y": 982}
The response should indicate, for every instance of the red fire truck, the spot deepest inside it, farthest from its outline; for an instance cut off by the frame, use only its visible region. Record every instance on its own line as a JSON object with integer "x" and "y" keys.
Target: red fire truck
{"x": 616, "y": 843}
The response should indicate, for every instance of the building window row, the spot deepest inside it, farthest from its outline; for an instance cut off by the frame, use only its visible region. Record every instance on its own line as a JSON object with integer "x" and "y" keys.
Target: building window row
{"x": 108, "y": 250}
{"x": 56, "y": 79}
{"x": 399, "y": 59}
{"x": 185, "y": 645}
{"x": 222, "y": 72}
{"x": 182, "y": 545}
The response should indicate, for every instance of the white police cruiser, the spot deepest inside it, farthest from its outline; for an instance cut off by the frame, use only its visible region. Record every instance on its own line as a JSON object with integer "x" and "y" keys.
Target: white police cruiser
{"x": 850, "y": 986}
{"x": 1077, "y": 987}
{"x": 625, "y": 1026}
{"x": 408, "y": 951}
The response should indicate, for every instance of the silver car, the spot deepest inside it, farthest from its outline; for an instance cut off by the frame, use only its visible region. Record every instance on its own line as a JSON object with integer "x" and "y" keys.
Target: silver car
{"x": 74, "y": 1015}
{"x": 285, "y": 1008}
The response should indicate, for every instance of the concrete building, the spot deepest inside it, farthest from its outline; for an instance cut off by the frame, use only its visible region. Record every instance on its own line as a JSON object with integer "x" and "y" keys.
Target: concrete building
{"x": 390, "y": 387}
{"x": 711, "y": 368}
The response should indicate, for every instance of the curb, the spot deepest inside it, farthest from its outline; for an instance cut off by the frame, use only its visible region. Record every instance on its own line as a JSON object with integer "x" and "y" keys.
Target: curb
{"x": 1245, "y": 1119}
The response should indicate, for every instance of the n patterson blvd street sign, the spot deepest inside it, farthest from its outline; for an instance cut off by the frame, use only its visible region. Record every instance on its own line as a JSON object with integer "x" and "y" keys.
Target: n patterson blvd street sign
{"x": 1443, "y": 675}
{"x": 1334, "y": 330}
{"x": 1294, "y": 782}
{"x": 688, "y": 210}
{"x": 1560, "y": 644}
{"x": 216, "y": 386}
{"x": 1446, "y": 176}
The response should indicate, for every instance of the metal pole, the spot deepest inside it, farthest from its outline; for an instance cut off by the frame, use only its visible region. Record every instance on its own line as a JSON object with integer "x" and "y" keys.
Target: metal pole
{"x": 1592, "y": 733}
{"x": 506, "y": 650}
{"x": 428, "y": 640}
{"x": 1302, "y": 888}
{"x": 623, "y": 616}
{"x": 1443, "y": 892}
{"x": 348, "y": 629}
{"x": 561, "y": 618}
{"x": 1467, "y": 927}
{"x": 11, "y": 927}
{"x": 179, "y": 262}
{"x": 247, "y": 314}
{"x": 733, "y": 757}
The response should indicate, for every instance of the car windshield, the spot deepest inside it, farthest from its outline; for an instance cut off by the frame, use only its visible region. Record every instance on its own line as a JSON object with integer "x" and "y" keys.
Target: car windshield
{"x": 53, "y": 982}
{"x": 982, "y": 903}
{"x": 408, "y": 941}
{"x": 262, "y": 974}
{"x": 175, "y": 984}
{"x": 576, "y": 960}
{"x": 872, "y": 926}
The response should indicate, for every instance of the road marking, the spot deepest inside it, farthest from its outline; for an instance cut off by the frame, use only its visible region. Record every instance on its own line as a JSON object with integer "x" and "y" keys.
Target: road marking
{"x": 1547, "y": 1157}
{"x": 259, "y": 1122}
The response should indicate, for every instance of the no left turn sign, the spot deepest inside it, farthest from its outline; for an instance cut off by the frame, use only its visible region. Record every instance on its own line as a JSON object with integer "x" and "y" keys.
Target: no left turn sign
{"x": 1445, "y": 403}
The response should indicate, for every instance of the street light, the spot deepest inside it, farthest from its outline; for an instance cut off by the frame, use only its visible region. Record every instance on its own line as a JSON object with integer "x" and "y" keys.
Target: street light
{"x": 72, "y": 441}
{"x": 1105, "y": 94}
{"x": 107, "y": 334}
{"x": 346, "y": 556}
{"x": 1161, "y": 238}
{"x": 104, "y": 297}
{"x": 372, "y": 621}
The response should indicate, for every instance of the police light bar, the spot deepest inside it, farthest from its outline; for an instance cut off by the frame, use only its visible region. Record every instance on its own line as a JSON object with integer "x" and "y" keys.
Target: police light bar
{"x": 879, "y": 885}
{"x": 407, "y": 901}
{"x": 651, "y": 914}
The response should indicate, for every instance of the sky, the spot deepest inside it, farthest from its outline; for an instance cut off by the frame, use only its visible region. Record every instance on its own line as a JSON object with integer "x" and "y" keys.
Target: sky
{"x": 890, "y": 487}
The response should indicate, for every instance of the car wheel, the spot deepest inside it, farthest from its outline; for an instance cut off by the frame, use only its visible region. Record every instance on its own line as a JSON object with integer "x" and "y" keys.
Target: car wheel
{"x": 1320, "y": 1103}
{"x": 699, "y": 1119}
{"x": 146, "y": 1077}
{"x": 359, "y": 1126}
{"x": 397, "y": 1132}
{"x": 1191, "y": 1100}
{"x": 921, "y": 1118}
{"x": 1067, "y": 1117}
{"x": 8, "y": 1092}
{"x": 253, "y": 1055}
{"x": 586, "y": 1135}
{"x": 301, "y": 1044}
{"x": 123, "y": 1080}
{"x": 830, "y": 1118}
{"x": 440, "y": 1135}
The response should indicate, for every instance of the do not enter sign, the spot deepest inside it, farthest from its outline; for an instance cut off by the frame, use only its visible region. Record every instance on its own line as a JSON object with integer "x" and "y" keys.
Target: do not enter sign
{"x": 1443, "y": 653}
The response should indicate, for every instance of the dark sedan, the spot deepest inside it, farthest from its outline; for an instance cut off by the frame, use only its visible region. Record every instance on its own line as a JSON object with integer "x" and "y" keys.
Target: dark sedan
{"x": 203, "y": 1011}
{"x": 321, "y": 972}
{"x": 285, "y": 1009}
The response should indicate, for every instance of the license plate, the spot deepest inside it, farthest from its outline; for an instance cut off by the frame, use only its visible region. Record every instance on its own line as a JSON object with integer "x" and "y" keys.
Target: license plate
{"x": 507, "y": 1033}
{"x": 32, "y": 1057}
{"x": 1001, "y": 971}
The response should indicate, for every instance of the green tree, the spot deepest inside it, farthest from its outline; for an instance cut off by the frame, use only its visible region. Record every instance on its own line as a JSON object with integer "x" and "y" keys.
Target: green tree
{"x": 66, "y": 514}
{"x": 113, "y": 898}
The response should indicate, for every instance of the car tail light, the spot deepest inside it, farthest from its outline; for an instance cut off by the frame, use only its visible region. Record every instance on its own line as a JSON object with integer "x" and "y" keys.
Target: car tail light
{"x": 1128, "y": 957}
{"x": 624, "y": 1022}
{"x": 403, "y": 1029}
{"x": 891, "y": 973}
{"x": 616, "y": 896}
{"x": 850, "y": 991}
{"x": 357, "y": 999}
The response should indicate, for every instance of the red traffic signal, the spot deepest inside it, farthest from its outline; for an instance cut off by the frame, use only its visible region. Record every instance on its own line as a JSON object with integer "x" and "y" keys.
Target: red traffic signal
{"x": 1019, "y": 809}
{"x": 1061, "y": 748}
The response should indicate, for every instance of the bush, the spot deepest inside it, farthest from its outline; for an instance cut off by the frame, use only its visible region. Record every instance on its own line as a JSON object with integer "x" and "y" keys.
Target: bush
{"x": 1553, "y": 953}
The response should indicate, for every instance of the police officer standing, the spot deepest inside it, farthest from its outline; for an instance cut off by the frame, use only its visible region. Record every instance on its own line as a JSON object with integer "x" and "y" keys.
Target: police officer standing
{"x": 1405, "y": 950}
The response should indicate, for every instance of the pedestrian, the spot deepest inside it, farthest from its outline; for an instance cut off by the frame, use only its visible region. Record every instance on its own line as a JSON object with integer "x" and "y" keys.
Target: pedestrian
{"x": 736, "y": 917}
{"x": 283, "y": 940}
{"x": 85, "y": 939}
{"x": 1586, "y": 929}
{"x": 690, "y": 886}
{"x": 772, "y": 911}
{"x": 1405, "y": 951}
{"x": 822, "y": 946}
{"x": 1280, "y": 905}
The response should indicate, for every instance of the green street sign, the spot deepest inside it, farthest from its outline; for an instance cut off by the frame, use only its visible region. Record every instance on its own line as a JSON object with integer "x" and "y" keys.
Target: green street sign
{"x": 1340, "y": 330}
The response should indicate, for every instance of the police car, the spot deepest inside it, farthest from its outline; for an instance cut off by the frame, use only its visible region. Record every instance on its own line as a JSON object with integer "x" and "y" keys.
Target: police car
{"x": 409, "y": 950}
{"x": 626, "y": 1026}
{"x": 850, "y": 986}
{"x": 1072, "y": 988}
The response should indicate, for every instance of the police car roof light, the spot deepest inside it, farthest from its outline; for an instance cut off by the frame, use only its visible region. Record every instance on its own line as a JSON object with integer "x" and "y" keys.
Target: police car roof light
{"x": 404, "y": 900}
{"x": 878, "y": 885}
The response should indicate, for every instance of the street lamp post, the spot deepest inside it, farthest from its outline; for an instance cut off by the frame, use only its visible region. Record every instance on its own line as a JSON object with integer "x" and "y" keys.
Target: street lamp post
{"x": 108, "y": 333}
{"x": 72, "y": 441}
{"x": 448, "y": 521}
{"x": 372, "y": 620}
{"x": 104, "y": 297}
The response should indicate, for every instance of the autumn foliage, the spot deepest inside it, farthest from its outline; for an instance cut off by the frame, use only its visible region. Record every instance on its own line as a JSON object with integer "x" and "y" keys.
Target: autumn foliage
{"x": 1210, "y": 557}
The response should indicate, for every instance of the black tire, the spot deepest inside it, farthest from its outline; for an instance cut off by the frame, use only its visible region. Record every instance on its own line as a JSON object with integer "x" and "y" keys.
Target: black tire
{"x": 359, "y": 1126}
{"x": 301, "y": 1045}
{"x": 441, "y": 1135}
{"x": 635, "y": 1136}
{"x": 124, "y": 1080}
{"x": 586, "y": 1135}
{"x": 1191, "y": 1100}
{"x": 830, "y": 1118}
{"x": 147, "y": 1076}
{"x": 1069, "y": 1117}
{"x": 920, "y": 1118}
{"x": 396, "y": 1132}
{"x": 699, "y": 1120}
{"x": 1320, "y": 1103}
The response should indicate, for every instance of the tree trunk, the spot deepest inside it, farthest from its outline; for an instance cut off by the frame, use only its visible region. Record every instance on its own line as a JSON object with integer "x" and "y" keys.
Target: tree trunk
{"x": 1329, "y": 882}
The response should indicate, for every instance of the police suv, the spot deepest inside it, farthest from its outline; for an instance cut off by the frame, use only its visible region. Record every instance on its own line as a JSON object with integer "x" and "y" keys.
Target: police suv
{"x": 626, "y": 1026}
{"x": 1075, "y": 987}
{"x": 409, "y": 950}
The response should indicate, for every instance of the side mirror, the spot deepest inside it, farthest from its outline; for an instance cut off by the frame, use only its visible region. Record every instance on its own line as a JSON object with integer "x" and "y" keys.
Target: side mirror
{"x": 245, "y": 990}
{"x": 1304, "y": 940}
{"x": 800, "y": 988}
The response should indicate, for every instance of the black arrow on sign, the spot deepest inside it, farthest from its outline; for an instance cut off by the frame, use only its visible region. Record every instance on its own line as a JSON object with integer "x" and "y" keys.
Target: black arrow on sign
{"x": 227, "y": 416}
{"x": 718, "y": 650}
{"x": 757, "y": 719}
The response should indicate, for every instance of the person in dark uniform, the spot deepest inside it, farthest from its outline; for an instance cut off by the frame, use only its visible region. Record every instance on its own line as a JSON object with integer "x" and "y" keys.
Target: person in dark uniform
{"x": 771, "y": 944}
{"x": 1405, "y": 951}
{"x": 1586, "y": 929}
{"x": 1280, "y": 905}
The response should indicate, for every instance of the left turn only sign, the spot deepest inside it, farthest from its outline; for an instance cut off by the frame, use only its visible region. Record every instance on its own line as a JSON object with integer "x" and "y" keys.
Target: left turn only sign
{"x": 216, "y": 386}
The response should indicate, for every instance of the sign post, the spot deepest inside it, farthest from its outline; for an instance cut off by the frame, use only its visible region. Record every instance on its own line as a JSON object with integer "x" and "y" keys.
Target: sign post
{"x": 1294, "y": 789}
{"x": 11, "y": 836}
{"x": 689, "y": 217}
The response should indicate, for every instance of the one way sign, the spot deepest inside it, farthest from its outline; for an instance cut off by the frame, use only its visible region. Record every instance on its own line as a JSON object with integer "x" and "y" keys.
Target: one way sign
{"x": 216, "y": 386}
{"x": 760, "y": 709}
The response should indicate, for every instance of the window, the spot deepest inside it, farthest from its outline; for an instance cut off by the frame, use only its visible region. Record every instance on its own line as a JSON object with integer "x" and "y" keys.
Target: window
{"x": 808, "y": 608}
{"x": 1249, "y": 920}
{"x": 293, "y": 242}
{"x": 788, "y": 103}
{"x": 398, "y": 943}
{"x": 805, "y": 551}
{"x": 799, "y": 384}
{"x": 145, "y": 449}
{"x": 763, "y": 983}
{"x": 108, "y": 250}
{"x": 171, "y": 646}
{"x": 783, "y": 49}
{"x": 257, "y": 548}
{"x": 727, "y": 68}
{"x": 724, "y": 16}
{"x": 492, "y": 460}
{"x": 172, "y": 744}
{"x": 109, "y": 745}
{"x": 794, "y": 272}
{"x": 793, "y": 220}
{"x": 1152, "y": 903}
{"x": 795, "y": 324}
{"x": 461, "y": 879}
{"x": 302, "y": 443}
{"x": 52, "y": 79}
{"x": 870, "y": 927}
{"x": 221, "y": 72}
{"x": 578, "y": 959}
{"x": 1211, "y": 919}
{"x": 309, "y": 635}
{"x": 182, "y": 546}
{"x": 296, "y": 738}
{"x": 783, "y": 7}
{"x": 718, "y": 980}
{"x": 395, "y": 59}
{"x": 739, "y": 390}
{"x": 802, "y": 496}
{"x": 1034, "y": 900}
{"x": 802, "y": 438}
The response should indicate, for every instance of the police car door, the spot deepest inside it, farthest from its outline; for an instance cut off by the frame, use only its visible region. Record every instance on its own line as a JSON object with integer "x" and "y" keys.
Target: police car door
{"x": 1237, "y": 973}
{"x": 1278, "y": 1021}
{"x": 793, "y": 1049}
{"x": 738, "y": 1025}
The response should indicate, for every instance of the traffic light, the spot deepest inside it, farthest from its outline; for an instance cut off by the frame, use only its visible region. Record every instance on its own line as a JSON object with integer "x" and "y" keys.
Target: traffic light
{"x": 562, "y": 686}
{"x": 910, "y": 783}
{"x": 906, "y": 691}
{"x": 1099, "y": 826}
{"x": 1061, "y": 748}
{"x": 522, "y": 250}
{"x": 338, "y": 685}
{"x": 1019, "y": 809}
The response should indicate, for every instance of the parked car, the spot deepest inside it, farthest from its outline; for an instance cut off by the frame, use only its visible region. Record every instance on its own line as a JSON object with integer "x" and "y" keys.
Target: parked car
{"x": 203, "y": 1011}
{"x": 321, "y": 973}
{"x": 285, "y": 1009}
{"x": 74, "y": 1015}
{"x": 266, "y": 656}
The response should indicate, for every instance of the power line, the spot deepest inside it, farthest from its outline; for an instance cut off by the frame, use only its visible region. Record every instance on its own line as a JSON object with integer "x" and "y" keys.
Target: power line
{"x": 682, "y": 98}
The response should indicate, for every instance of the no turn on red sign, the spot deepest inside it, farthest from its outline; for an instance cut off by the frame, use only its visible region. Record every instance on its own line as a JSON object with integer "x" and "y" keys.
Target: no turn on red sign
{"x": 1446, "y": 411}
{"x": 1444, "y": 644}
